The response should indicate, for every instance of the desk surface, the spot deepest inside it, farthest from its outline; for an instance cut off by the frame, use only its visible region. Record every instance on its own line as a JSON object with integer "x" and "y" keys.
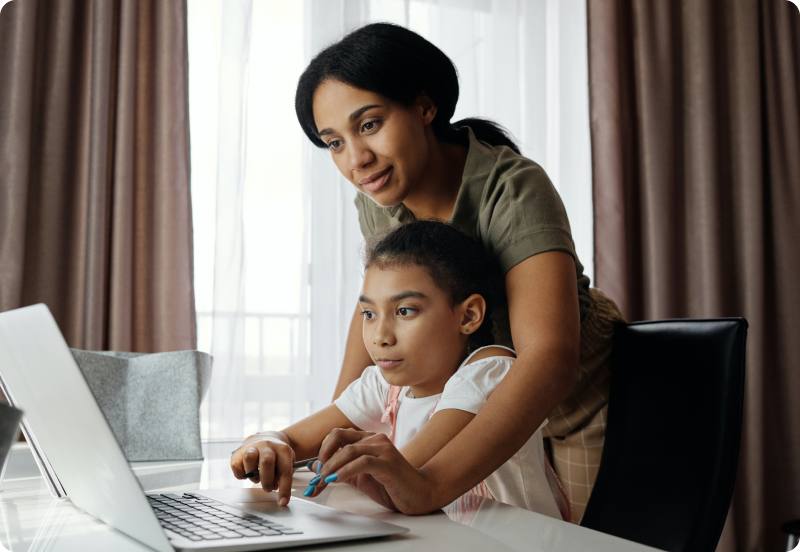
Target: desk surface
{"x": 31, "y": 520}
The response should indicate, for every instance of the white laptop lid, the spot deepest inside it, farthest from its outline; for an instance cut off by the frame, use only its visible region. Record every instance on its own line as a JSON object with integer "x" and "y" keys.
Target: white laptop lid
{"x": 60, "y": 409}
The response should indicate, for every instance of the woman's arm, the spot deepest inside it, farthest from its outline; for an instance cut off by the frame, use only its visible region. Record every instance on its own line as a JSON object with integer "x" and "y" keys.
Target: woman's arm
{"x": 440, "y": 430}
{"x": 356, "y": 357}
{"x": 545, "y": 325}
{"x": 273, "y": 452}
{"x": 444, "y": 425}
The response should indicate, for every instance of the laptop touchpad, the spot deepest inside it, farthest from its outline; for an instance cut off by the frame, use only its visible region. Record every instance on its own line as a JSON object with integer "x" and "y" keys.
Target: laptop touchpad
{"x": 293, "y": 509}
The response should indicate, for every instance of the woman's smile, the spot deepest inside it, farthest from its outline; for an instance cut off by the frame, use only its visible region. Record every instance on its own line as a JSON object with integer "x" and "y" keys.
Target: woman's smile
{"x": 376, "y": 181}
{"x": 380, "y": 145}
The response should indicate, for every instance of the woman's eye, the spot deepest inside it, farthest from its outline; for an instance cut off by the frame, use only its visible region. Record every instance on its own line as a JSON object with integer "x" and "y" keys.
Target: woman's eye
{"x": 369, "y": 125}
{"x": 334, "y": 144}
{"x": 368, "y": 315}
{"x": 403, "y": 311}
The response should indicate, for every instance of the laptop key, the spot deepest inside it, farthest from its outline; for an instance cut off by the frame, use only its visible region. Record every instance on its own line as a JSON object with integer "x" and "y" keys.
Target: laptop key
{"x": 230, "y": 535}
{"x": 265, "y": 532}
{"x": 248, "y": 532}
{"x": 194, "y": 538}
{"x": 212, "y": 536}
{"x": 251, "y": 525}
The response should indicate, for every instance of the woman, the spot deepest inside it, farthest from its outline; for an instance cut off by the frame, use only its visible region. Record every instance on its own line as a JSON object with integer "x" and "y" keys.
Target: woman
{"x": 381, "y": 100}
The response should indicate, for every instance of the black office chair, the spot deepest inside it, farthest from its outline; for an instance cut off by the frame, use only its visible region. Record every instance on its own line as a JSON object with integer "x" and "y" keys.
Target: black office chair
{"x": 672, "y": 440}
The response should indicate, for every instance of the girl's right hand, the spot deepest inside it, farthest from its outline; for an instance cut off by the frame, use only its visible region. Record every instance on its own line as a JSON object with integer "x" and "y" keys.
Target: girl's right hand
{"x": 272, "y": 457}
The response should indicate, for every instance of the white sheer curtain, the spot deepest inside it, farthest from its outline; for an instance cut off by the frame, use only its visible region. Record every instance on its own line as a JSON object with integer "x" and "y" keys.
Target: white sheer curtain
{"x": 250, "y": 213}
{"x": 276, "y": 232}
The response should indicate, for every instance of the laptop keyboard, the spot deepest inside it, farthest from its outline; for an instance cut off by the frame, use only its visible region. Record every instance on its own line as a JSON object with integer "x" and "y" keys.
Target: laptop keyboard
{"x": 198, "y": 518}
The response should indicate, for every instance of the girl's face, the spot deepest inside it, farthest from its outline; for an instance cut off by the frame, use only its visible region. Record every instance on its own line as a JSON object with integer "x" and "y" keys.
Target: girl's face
{"x": 410, "y": 330}
{"x": 379, "y": 145}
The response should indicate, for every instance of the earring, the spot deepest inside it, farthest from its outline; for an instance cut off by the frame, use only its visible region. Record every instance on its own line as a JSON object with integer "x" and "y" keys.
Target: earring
{"x": 466, "y": 331}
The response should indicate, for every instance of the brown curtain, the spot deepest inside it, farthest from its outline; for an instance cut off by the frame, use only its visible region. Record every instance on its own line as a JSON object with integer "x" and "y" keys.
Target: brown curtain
{"x": 695, "y": 113}
{"x": 95, "y": 213}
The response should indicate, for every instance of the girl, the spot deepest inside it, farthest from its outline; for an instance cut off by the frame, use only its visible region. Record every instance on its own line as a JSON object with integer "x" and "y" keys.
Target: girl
{"x": 380, "y": 100}
{"x": 426, "y": 305}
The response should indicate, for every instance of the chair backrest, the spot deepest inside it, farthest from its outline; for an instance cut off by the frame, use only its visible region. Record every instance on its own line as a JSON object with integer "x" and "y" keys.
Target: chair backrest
{"x": 672, "y": 440}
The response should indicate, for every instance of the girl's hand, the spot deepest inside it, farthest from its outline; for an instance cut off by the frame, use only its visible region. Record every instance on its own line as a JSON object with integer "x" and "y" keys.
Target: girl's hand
{"x": 273, "y": 459}
{"x": 372, "y": 464}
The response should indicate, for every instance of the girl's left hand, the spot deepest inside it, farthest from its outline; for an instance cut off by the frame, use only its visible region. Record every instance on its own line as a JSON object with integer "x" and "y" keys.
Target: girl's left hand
{"x": 372, "y": 464}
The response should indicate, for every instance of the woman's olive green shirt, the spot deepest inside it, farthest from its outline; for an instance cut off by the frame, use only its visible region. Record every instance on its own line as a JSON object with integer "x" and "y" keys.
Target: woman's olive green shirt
{"x": 507, "y": 203}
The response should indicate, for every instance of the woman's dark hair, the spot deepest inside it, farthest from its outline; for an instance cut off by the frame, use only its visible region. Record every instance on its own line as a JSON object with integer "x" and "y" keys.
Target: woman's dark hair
{"x": 455, "y": 263}
{"x": 398, "y": 64}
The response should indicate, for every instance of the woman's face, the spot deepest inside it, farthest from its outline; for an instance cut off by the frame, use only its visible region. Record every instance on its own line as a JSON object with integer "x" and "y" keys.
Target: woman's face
{"x": 379, "y": 145}
{"x": 410, "y": 329}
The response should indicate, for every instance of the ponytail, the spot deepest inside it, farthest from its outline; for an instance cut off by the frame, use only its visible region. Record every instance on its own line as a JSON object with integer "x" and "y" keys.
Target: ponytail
{"x": 488, "y": 131}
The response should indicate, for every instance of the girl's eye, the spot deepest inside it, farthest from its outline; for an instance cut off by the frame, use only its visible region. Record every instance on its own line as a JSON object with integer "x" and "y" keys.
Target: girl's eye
{"x": 369, "y": 125}
{"x": 369, "y": 315}
{"x": 334, "y": 144}
{"x": 403, "y": 311}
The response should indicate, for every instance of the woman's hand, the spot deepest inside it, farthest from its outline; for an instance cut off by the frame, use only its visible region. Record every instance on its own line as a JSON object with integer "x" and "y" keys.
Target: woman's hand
{"x": 372, "y": 464}
{"x": 270, "y": 454}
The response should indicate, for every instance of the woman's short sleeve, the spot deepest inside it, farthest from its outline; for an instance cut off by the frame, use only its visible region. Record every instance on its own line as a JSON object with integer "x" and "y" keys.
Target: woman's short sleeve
{"x": 365, "y": 399}
{"x": 521, "y": 213}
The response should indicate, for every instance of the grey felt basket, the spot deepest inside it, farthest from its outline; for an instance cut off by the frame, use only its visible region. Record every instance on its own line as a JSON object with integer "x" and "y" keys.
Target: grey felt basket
{"x": 9, "y": 429}
{"x": 151, "y": 401}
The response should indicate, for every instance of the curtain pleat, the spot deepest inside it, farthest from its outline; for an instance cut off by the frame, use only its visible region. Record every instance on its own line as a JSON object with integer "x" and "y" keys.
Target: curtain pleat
{"x": 95, "y": 217}
{"x": 696, "y": 161}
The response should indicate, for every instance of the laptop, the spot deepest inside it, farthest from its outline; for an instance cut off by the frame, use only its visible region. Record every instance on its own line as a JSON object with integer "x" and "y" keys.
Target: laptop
{"x": 81, "y": 459}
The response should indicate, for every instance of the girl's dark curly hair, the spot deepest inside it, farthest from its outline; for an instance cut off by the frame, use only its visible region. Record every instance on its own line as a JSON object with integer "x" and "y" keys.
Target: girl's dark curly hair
{"x": 455, "y": 263}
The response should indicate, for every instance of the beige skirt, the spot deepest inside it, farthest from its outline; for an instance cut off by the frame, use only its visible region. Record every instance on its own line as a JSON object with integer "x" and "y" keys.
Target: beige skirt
{"x": 577, "y": 426}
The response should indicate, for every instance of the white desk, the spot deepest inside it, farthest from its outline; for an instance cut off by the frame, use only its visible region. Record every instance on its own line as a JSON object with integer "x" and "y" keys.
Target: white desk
{"x": 31, "y": 520}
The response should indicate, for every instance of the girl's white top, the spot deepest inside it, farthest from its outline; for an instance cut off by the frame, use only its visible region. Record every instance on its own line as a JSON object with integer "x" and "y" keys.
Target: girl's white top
{"x": 521, "y": 481}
